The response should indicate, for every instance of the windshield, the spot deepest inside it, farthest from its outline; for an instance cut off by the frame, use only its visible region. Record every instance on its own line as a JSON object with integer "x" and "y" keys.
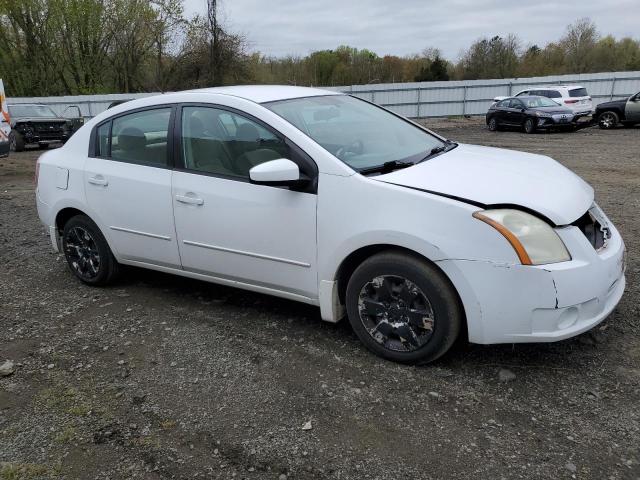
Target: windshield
{"x": 31, "y": 111}
{"x": 360, "y": 134}
{"x": 537, "y": 102}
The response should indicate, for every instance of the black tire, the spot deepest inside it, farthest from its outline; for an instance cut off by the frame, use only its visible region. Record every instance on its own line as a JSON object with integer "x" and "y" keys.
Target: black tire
{"x": 493, "y": 124}
{"x": 529, "y": 125}
{"x": 433, "y": 334}
{"x": 87, "y": 252}
{"x": 16, "y": 142}
{"x": 608, "y": 120}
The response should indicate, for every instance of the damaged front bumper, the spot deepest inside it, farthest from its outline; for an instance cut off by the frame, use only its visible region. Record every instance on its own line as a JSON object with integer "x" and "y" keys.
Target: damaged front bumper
{"x": 507, "y": 303}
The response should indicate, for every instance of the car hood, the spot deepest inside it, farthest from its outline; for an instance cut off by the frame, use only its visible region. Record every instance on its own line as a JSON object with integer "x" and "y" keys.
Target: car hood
{"x": 615, "y": 103}
{"x": 553, "y": 110}
{"x": 497, "y": 177}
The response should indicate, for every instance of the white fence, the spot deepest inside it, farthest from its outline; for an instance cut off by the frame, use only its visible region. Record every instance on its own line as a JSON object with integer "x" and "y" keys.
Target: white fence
{"x": 415, "y": 100}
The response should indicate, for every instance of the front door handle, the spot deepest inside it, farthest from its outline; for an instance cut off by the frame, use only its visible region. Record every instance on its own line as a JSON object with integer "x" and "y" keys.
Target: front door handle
{"x": 191, "y": 200}
{"x": 98, "y": 180}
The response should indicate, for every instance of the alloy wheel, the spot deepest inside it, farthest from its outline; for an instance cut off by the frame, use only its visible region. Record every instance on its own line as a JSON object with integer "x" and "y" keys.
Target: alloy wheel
{"x": 396, "y": 313}
{"x": 607, "y": 120}
{"x": 82, "y": 252}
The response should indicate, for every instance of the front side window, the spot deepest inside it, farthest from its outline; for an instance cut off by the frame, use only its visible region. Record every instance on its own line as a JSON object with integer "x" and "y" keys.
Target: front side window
{"x": 224, "y": 143}
{"x": 360, "y": 134}
{"x": 141, "y": 137}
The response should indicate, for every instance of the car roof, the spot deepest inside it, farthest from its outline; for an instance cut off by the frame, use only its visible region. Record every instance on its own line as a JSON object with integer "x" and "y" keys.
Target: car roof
{"x": 266, "y": 93}
{"x": 555, "y": 87}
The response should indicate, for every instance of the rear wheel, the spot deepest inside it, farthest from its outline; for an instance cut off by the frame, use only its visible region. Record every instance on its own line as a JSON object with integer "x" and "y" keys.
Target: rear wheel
{"x": 493, "y": 124}
{"x": 87, "y": 252}
{"x": 402, "y": 308}
{"x": 608, "y": 120}
{"x": 530, "y": 125}
{"x": 16, "y": 142}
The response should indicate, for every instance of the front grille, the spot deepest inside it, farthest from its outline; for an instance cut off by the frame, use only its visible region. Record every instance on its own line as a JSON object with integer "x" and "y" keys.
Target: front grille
{"x": 48, "y": 127}
{"x": 596, "y": 233}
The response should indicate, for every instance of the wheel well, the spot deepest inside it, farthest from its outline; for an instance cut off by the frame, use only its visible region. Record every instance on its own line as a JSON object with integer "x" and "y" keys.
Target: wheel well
{"x": 615, "y": 110}
{"x": 64, "y": 215}
{"x": 349, "y": 265}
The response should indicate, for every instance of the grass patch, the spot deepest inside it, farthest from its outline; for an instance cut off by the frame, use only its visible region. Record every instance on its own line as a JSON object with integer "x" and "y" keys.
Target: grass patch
{"x": 168, "y": 424}
{"x": 68, "y": 435}
{"x": 24, "y": 471}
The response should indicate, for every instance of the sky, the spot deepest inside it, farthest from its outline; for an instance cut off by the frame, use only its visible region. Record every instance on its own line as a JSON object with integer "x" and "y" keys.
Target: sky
{"x": 404, "y": 27}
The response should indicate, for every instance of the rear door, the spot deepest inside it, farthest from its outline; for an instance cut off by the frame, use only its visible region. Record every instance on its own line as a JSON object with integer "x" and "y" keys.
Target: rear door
{"x": 128, "y": 185}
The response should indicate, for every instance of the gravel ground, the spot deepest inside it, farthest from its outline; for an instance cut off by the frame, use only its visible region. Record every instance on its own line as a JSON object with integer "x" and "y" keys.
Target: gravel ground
{"x": 161, "y": 377}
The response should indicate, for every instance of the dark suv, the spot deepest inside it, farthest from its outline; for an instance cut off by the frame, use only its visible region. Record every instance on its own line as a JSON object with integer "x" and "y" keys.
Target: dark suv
{"x": 33, "y": 124}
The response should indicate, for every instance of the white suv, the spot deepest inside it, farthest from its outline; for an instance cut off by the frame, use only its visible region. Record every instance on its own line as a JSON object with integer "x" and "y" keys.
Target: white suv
{"x": 574, "y": 97}
{"x": 330, "y": 200}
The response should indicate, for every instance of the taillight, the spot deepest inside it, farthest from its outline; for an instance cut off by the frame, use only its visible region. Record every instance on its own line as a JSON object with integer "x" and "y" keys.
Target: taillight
{"x": 37, "y": 174}
{"x": 571, "y": 101}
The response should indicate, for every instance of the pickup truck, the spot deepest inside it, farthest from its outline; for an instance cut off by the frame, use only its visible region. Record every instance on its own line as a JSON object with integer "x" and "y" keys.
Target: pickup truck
{"x": 625, "y": 111}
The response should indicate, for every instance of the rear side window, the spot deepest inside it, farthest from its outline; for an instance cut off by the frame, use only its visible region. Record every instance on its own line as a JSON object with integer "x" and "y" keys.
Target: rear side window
{"x": 103, "y": 139}
{"x": 141, "y": 137}
{"x": 578, "y": 92}
{"x": 549, "y": 93}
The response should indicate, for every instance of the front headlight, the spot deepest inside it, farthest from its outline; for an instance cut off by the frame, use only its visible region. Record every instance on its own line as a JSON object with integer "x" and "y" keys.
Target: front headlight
{"x": 542, "y": 114}
{"x": 534, "y": 241}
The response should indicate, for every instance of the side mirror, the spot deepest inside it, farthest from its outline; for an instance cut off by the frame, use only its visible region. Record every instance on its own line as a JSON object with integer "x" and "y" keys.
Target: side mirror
{"x": 278, "y": 173}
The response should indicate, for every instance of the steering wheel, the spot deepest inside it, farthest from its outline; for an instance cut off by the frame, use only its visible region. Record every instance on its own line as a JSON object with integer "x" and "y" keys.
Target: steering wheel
{"x": 355, "y": 148}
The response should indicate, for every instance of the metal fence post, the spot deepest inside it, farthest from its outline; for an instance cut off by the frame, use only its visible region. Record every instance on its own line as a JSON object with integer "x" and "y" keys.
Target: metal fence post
{"x": 464, "y": 101}
{"x": 613, "y": 86}
{"x": 419, "y": 92}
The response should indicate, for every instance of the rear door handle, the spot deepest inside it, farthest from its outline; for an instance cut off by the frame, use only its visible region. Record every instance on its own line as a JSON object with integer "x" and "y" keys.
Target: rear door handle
{"x": 189, "y": 199}
{"x": 98, "y": 180}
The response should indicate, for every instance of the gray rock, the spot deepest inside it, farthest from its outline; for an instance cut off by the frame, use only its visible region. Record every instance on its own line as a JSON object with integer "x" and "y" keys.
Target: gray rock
{"x": 7, "y": 368}
{"x": 506, "y": 375}
{"x": 571, "y": 467}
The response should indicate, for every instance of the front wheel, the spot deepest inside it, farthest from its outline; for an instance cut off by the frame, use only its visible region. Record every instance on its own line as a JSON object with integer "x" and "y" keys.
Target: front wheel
{"x": 87, "y": 252}
{"x": 16, "y": 142}
{"x": 530, "y": 125}
{"x": 608, "y": 120}
{"x": 403, "y": 308}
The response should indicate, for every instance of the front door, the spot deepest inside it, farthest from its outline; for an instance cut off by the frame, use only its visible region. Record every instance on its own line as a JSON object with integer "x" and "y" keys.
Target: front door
{"x": 128, "y": 186}
{"x": 632, "y": 109}
{"x": 230, "y": 228}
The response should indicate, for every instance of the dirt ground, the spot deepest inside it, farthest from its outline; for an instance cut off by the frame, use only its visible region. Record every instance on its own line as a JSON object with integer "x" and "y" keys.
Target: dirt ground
{"x": 162, "y": 377}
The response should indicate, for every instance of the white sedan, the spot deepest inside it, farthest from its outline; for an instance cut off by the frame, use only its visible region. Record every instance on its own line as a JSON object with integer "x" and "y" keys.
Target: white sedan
{"x": 326, "y": 199}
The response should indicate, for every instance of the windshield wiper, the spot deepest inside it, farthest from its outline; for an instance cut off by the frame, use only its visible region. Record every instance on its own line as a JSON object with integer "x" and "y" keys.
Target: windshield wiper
{"x": 442, "y": 148}
{"x": 386, "y": 167}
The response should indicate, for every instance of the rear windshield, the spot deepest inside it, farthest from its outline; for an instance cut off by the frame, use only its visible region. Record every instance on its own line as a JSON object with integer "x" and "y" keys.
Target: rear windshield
{"x": 578, "y": 92}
